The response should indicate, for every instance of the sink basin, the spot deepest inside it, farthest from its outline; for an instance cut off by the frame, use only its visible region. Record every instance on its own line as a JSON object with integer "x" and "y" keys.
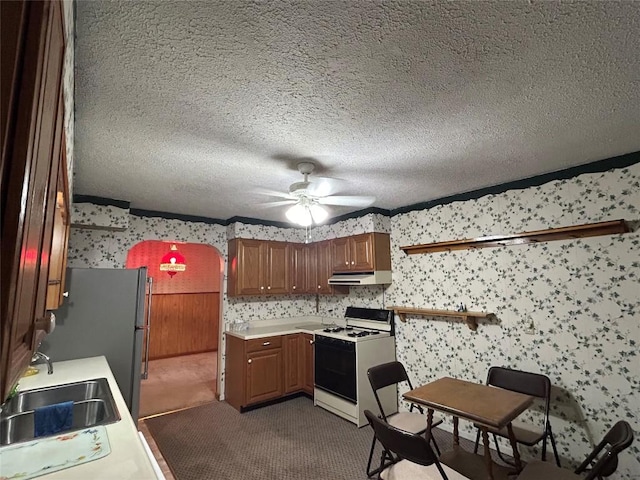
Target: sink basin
{"x": 93, "y": 405}
{"x": 76, "y": 392}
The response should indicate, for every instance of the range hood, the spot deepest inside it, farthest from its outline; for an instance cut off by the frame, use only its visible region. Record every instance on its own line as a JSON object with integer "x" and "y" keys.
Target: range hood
{"x": 380, "y": 277}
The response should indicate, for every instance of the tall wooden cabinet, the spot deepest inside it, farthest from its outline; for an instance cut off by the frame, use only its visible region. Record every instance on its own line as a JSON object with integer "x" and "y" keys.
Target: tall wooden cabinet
{"x": 32, "y": 129}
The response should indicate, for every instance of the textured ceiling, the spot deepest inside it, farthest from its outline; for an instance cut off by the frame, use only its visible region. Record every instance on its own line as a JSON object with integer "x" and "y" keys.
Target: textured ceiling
{"x": 191, "y": 107}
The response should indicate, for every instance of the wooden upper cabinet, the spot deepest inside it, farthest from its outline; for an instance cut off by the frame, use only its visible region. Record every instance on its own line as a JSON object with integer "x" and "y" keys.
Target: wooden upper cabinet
{"x": 311, "y": 273}
{"x": 258, "y": 267}
{"x": 60, "y": 239}
{"x": 340, "y": 254}
{"x": 276, "y": 269}
{"x": 32, "y": 59}
{"x": 361, "y": 253}
{"x": 299, "y": 266}
{"x": 323, "y": 267}
{"x": 246, "y": 267}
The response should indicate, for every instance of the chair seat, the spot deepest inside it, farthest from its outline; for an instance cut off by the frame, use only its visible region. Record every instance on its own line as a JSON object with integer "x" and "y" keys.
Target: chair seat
{"x": 411, "y": 422}
{"x": 546, "y": 471}
{"x": 406, "y": 470}
{"x": 524, "y": 433}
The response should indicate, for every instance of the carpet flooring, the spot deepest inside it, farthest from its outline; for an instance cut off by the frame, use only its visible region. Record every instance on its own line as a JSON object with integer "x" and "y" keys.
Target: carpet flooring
{"x": 292, "y": 440}
{"x": 179, "y": 382}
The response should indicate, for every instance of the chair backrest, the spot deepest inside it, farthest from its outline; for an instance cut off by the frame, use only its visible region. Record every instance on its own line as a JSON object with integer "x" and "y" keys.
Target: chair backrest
{"x": 534, "y": 384}
{"x": 409, "y": 446}
{"x": 386, "y": 374}
{"x": 617, "y": 439}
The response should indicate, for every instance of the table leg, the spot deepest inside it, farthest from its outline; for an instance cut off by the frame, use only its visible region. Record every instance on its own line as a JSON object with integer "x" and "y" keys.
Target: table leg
{"x": 456, "y": 437}
{"x": 427, "y": 434}
{"x": 514, "y": 447}
{"x": 487, "y": 452}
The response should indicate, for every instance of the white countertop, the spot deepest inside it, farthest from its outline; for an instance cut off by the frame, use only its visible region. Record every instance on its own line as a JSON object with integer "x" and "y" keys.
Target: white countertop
{"x": 284, "y": 326}
{"x": 127, "y": 460}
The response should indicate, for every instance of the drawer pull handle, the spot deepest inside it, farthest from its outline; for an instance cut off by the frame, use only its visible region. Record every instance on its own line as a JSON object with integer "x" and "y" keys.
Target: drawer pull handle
{"x": 310, "y": 342}
{"x": 249, "y": 361}
{"x": 266, "y": 344}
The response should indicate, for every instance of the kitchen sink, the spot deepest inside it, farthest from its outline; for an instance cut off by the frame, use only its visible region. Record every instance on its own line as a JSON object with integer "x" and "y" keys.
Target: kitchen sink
{"x": 76, "y": 392}
{"x": 93, "y": 404}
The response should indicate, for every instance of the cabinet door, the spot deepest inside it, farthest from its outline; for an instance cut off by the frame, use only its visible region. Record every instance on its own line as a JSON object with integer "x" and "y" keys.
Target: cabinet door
{"x": 59, "y": 242}
{"x": 324, "y": 270}
{"x": 311, "y": 255}
{"x": 250, "y": 267}
{"x": 340, "y": 256}
{"x": 307, "y": 352}
{"x": 298, "y": 266}
{"x": 361, "y": 252}
{"x": 30, "y": 103}
{"x": 277, "y": 267}
{"x": 264, "y": 375}
{"x": 292, "y": 358}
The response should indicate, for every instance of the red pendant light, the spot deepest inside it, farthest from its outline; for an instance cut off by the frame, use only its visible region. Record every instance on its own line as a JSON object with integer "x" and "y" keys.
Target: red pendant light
{"x": 172, "y": 262}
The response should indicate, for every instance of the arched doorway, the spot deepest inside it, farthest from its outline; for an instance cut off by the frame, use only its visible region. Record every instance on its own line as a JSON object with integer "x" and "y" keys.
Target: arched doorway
{"x": 185, "y": 318}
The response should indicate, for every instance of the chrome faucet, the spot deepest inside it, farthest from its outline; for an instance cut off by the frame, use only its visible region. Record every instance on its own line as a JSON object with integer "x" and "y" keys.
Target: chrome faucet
{"x": 41, "y": 356}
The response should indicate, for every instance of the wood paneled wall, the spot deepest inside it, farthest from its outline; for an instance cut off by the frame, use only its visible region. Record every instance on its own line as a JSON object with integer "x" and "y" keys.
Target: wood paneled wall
{"x": 184, "y": 323}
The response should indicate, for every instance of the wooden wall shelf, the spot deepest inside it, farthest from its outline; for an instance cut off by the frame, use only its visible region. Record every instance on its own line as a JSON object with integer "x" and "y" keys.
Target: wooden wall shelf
{"x": 470, "y": 318}
{"x": 563, "y": 233}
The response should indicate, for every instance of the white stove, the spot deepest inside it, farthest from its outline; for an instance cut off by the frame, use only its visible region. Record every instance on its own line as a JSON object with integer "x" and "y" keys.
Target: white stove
{"x": 351, "y": 334}
{"x": 343, "y": 354}
{"x": 361, "y": 324}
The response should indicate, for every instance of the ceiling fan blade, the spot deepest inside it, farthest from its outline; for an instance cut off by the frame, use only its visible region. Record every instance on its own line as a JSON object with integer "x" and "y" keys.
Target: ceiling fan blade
{"x": 324, "y": 186}
{"x": 351, "y": 201}
{"x": 280, "y": 203}
{"x": 274, "y": 193}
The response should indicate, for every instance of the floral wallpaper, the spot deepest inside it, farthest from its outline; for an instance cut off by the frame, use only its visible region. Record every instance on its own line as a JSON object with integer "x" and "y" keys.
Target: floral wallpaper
{"x": 568, "y": 309}
{"x": 88, "y": 215}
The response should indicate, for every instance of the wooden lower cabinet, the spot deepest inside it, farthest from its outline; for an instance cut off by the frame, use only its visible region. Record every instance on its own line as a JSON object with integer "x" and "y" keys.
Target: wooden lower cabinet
{"x": 307, "y": 365}
{"x": 263, "y": 369}
{"x": 293, "y": 372}
{"x": 264, "y": 380}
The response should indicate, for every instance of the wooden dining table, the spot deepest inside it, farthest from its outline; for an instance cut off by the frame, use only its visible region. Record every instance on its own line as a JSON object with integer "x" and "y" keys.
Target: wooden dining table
{"x": 485, "y": 406}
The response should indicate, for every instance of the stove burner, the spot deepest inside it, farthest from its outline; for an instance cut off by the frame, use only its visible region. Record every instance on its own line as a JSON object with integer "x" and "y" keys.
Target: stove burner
{"x": 362, "y": 333}
{"x": 333, "y": 330}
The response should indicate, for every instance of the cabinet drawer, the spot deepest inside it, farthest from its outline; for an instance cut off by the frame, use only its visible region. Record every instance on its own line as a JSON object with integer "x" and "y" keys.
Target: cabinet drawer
{"x": 266, "y": 343}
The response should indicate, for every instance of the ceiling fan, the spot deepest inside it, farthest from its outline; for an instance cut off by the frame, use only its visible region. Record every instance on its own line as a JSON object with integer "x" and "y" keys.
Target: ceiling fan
{"x": 308, "y": 197}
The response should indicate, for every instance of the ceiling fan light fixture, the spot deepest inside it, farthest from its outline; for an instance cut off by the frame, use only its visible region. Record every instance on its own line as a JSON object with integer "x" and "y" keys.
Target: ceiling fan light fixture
{"x": 300, "y": 215}
{"x": 318, "y": 213}
{"x": 305, "y": 214}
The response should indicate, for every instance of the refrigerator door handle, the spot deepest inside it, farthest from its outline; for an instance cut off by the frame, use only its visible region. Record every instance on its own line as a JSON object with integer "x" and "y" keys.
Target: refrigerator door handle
{"x": 147, "y": 328}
